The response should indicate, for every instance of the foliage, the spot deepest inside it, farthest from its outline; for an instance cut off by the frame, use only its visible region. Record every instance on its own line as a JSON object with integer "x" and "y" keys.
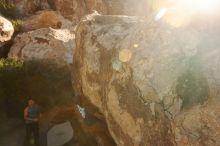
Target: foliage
{"x": 7, "y": 64}
{"x": 17, "y": 24}
{"x": 5, "y": 4}
{"x": 43, "y": 81}
{"x": 8, "y": 9}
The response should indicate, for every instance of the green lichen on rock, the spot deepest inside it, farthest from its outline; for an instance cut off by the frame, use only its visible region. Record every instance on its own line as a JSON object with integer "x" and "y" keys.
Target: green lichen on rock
{"x": 17, "y": 24}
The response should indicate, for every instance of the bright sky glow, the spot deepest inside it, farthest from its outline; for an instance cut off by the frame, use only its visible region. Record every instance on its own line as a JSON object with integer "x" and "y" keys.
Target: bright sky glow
{"x": 181, "y": 12}
{"x": 203, "y": 5}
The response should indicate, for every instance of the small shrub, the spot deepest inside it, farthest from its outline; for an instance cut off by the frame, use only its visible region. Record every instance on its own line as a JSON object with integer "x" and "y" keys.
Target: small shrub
{"x": 8, "y": 9}
{"x": 17, "y": 24}
{"x": 8, "y": 64}
{"x": 5, "y": 4}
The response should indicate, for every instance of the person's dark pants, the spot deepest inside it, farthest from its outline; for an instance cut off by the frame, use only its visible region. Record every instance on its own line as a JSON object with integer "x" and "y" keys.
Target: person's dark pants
{"x": 32, "y": 128}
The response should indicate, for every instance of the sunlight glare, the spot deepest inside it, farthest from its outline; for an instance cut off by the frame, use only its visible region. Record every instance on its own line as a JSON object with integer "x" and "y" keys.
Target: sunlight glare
{"x": 182, "y": 12}
{"x": 203, "y": 5}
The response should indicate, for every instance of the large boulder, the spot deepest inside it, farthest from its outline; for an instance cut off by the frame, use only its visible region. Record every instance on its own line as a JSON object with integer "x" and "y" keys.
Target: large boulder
{"x": 76, "y": 9}
{"x": 45, "y": 19}
{"x": 155, "y": 84}
{"x": 44, "y": 44}
{"x": 6, "y": 30}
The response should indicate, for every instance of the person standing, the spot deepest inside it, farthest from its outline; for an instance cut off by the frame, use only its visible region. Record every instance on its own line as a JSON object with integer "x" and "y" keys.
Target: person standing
{"x": 31, "y": 117}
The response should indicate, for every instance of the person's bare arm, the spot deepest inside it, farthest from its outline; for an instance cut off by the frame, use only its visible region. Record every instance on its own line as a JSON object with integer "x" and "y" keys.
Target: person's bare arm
{"x": 26, "y": 113}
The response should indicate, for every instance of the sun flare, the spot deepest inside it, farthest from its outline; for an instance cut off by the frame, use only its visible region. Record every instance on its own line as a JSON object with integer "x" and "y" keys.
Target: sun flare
{"x": 200, "y": 5}
{"x": 180, "y": 12}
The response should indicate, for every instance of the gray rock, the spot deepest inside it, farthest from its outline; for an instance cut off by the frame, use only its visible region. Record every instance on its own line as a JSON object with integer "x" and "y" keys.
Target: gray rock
{"x": 44, "y": 44}
{"x": 60, "y": 134}
{"x": 154, "y": 83}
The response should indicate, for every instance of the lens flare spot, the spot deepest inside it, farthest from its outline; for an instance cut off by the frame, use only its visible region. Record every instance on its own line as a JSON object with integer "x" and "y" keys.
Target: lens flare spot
{"x": 125, "y": 55}
{"x": 135, "y": 45}
{"x": 116, "y": 64}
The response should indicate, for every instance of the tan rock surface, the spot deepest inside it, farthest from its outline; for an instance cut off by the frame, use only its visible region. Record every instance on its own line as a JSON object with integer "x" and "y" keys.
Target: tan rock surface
{"x": 45, "y": 19}
{"x": 45, "y": 43}
{"x": 76, "y": 9}
{"x": 89, "y": 131}
{"x": 6, "y": 29}
{"x": 156, "y": 84}
{"x": 28, "y": 7}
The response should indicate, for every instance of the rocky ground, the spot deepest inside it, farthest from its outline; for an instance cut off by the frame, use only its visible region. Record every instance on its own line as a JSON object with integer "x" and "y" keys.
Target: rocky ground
{"x": 12, "y": 133}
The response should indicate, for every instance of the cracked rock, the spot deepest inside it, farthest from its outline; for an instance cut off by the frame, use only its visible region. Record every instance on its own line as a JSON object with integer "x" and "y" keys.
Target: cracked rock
{"x": 131, "y": 70}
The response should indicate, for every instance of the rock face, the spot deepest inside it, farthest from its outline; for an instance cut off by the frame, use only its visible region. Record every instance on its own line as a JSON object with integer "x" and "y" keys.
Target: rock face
{"x": 75, "y": 9}
{"x": 27, "y": 7}
{"x": 89, "y": 131}
{"x": 155, "y": 84}
{"x": 6, "y": 29}
{"x": 45, "y": 43}
{"x": 130, "y": 7}
{"x": 45, "y": 19}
